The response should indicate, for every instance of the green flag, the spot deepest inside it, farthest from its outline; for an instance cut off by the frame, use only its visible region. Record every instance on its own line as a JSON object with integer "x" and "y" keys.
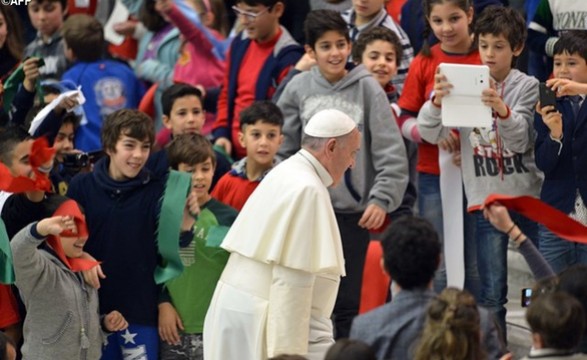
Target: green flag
{"x": 6, "y": 269}
{"x": 176, "y": 190}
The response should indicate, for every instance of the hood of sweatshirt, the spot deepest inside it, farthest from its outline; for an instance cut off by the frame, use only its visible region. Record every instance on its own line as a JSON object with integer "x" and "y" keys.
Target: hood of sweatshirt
{"x": 118, "y": 187}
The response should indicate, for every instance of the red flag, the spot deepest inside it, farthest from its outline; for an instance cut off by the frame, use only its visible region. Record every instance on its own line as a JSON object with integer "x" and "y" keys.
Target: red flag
{"x": 555, "y": 220}
{"x": 40, "y": 154}
{"x": 71, "y": 208}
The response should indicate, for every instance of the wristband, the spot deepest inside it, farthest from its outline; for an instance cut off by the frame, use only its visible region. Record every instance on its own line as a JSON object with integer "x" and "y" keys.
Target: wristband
{"x": 510, "y": 229}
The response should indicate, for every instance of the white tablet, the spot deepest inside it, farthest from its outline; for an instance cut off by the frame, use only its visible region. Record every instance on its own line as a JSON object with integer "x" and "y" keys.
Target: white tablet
{"x": 463, "y": 106}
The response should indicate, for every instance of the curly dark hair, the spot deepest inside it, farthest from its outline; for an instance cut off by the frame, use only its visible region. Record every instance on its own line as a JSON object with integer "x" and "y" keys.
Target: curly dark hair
{"x": 411, "y": 252}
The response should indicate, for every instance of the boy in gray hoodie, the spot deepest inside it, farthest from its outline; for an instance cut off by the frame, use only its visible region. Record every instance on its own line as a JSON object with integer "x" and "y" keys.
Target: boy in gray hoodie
{"x": 498, "y": 159}
{"x": 375, "y": 186}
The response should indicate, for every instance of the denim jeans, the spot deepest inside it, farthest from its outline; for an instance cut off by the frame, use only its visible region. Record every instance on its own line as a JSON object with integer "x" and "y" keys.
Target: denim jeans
{"x": 560, "y": 253}
{"x": 492, "y": 247}
{"x": 430, "y": 208}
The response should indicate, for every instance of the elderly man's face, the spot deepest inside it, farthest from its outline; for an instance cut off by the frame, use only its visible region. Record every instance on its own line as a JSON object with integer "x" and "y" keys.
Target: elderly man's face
{"x": 344, "y": 154}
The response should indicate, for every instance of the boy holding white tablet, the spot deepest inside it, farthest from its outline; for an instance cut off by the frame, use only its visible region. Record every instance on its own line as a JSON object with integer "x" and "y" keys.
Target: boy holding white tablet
{"x": 499, "y": 158}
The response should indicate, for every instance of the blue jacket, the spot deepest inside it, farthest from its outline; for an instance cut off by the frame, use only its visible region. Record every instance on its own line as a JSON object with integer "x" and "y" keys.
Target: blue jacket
{"x": 286, "y": 53}
{"x": 107, "y": 86}
{"x": 122, "y": 219}
{"x": 565, "y": 170}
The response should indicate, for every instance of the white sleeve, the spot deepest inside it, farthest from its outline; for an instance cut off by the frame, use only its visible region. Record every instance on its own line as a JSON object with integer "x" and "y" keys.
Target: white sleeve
{"x": 290, "y": 305}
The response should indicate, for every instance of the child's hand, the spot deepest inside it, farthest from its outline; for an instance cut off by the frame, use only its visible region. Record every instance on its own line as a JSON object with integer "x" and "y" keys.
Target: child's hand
{"x": 373, "y": 217}
{"x": 565, "y": 87}
{"x": 451, "y": 143}
{"x": 92, "y": 277}
{"x": 491, "y": 98}
{"x": 125, "y": 28}
{"x": 31, "y": 73}
{"x": 169, "y": 322}
{"x": 498, "y": 216}
{"x": 115, "y": 322}
{"x": 441, "y": 87}
{"x": 456, "y": 158}
{"x": 305, "y": 63}
{"x": 551, "y": 118}
{"x": 56, "y": 225}
{"x": 67, "y": 104}
{"x": 190, "y": 212}
{"x": 225, "y": 144}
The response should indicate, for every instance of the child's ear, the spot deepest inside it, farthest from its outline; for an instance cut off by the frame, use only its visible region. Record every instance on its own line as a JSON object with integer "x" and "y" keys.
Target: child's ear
{"x": 518, "y": 51}
{"x": 281, "y": 139}
{"x": 278, "y": 8}
{"x": 310, "y": 51}
{"x": 241, "y": 138}
{"x": 470, "y": 15}
{"x": 166, "y": 121}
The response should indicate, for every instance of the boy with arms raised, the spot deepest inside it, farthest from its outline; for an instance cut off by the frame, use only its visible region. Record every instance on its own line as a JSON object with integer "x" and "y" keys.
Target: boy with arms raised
{"x": 183, "y": 113}
{"x": 122, "y": 200}
{"x": 47, "y": 17}
{"x": 369, "y": 14}
{"x": 186, "y": 298}
{"x": 261, "y": 136}
{"x": 375, "y": 186}
{"x": 259, "y": 58}
{"x": 560, "y": 145}
{"x": 498, "y": 159}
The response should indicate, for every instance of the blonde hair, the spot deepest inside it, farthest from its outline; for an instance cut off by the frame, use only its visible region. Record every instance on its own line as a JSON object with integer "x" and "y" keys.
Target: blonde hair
{"x": 452, "y": 330}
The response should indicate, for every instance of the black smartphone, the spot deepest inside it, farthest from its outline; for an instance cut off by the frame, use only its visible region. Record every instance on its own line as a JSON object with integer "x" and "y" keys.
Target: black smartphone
{"x": 526, "y": 296}
{"x": 547, "y": 96}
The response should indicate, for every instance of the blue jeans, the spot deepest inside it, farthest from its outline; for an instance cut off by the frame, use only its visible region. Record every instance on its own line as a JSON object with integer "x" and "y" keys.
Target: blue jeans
{"x": 492, "y": 247}
{"x": 430, "y": 208}
{"x": 560, "y": 253}
{"x": 136, "y": 342}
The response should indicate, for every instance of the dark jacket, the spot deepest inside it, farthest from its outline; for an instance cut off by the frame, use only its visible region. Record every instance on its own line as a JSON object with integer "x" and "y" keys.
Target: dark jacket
{"x": 565, "y": 169}
{"x": 122, "y": 221}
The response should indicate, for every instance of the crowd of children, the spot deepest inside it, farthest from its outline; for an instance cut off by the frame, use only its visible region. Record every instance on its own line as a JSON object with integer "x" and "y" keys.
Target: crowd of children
{"x": 121, "y": 176}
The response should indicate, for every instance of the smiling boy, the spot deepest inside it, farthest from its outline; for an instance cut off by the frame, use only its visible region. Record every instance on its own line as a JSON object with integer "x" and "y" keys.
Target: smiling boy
{"x": 183, "y": 113}
{"x": 260, "y": 57}
{"x": 122, "y": 203}
{"x": 375, "y": 186}
{"x": 185, "y": 301}
{"x": 560, "y": 147}
{"x": 369, "y": 14}
{"x": 261, "y": 136}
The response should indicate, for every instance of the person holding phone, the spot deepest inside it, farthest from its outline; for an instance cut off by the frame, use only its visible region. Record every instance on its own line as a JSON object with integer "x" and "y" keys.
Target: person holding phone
{"x": 560, "y": 143}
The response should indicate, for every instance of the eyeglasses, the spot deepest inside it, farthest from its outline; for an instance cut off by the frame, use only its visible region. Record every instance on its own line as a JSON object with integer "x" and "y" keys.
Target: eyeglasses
{"x": 249, "y": 15}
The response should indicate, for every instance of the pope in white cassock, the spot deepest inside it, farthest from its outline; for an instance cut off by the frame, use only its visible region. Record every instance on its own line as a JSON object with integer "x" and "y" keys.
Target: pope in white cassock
{"x": 278, "y": 289}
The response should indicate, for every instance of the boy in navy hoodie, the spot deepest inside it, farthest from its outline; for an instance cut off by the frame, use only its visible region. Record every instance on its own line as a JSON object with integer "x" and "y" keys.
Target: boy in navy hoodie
{"x": 122, "y": 202}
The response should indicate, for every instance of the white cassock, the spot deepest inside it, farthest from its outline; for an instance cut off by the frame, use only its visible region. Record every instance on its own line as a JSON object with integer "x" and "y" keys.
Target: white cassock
{"x": 278, "y": 289}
